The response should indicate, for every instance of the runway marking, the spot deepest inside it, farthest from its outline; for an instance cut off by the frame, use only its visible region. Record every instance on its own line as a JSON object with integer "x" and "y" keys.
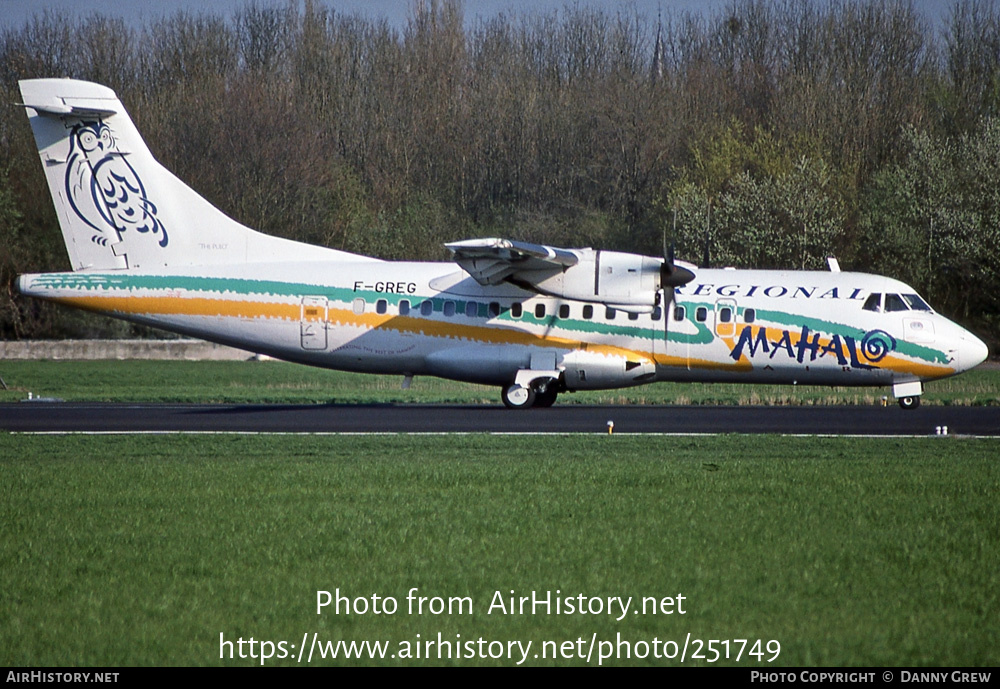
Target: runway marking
{"x": 503, "y": 433}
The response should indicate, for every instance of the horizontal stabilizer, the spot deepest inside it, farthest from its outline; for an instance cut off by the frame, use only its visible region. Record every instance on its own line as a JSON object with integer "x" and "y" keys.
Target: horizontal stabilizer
{"x": 68, "y": 98}
{"x": 76, "y": 110}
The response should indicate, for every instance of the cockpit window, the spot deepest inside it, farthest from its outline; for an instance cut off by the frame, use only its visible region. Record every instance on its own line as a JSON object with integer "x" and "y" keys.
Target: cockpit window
{"x": 894, "y": 302}
{"x": 916, "y": 303}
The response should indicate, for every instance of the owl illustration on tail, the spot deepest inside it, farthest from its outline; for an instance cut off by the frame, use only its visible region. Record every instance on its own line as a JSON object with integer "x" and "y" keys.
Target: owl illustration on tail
{"x": 104, "y": 189}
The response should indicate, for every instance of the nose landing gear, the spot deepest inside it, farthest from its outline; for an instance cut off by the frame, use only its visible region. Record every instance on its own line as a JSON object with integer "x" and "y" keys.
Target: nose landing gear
{"x": 908, "y": 394}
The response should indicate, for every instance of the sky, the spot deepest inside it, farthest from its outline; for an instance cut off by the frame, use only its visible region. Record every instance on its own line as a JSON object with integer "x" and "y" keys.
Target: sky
{"x": 14, "y": 13}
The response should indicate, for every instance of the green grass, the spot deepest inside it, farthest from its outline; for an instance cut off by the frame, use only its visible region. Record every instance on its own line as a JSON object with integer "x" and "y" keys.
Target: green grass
{"x": 140, "y": 550}
{"x": 277, "y": 382}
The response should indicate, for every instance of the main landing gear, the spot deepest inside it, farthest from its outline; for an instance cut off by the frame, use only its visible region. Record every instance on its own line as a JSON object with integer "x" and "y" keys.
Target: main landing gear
{"x": 518, "y": 397}
{"x": 540, "y": 393}
{"x": 911, "y": 402}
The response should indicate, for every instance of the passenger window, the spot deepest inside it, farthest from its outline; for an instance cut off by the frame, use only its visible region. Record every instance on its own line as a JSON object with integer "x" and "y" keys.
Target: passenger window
{"x": 359, "y": 306}
{"x": 873, "y": 302}
{"x": 449, "y": 309}
{"x": 404, "y": 307}
{"x": 493, "y": 310}
{"x": 539, "y": 310}
{"x": 564, "y": 311}
{"x": 725, "y": 314}
{"x": 609, "y": 313}
{"x": 893, "y": 302}
{"x": 471, "y": 309}
{"x": 588, "y": 312}
{"x": 426, "y": 308}
{"x": 749, "y": 315}
{"x": 381, "y": 306}
{"x": 679, "y": 313}
{"x": 516, "y": 310}
{"x": 701, "y": 314}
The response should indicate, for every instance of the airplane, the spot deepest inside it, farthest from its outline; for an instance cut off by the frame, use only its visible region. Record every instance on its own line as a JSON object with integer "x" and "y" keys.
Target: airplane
{"x": 534, "y": 320}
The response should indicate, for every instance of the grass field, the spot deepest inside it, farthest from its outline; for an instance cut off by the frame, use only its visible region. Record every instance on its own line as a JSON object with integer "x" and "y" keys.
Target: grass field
{"x": 139, "y": 550}
{"x": 277, "y": 382}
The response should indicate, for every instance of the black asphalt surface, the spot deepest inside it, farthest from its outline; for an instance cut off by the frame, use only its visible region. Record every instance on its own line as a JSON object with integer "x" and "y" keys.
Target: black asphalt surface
{"x": 834, "y": 420}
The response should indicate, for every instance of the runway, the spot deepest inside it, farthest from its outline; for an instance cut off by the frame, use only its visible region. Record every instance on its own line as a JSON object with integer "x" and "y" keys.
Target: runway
{"x": 59, "y": 417}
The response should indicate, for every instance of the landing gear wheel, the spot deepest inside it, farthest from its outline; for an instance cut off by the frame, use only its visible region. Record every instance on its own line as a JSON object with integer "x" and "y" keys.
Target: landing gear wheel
{"x": 517, "y": 397}
{"x": 909, "y": 402}
{"x": 547, "y": 398}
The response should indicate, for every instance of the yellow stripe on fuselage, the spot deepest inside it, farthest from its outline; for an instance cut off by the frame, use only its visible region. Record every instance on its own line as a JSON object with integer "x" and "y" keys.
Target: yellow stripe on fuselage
{"x": 231, "y": 308}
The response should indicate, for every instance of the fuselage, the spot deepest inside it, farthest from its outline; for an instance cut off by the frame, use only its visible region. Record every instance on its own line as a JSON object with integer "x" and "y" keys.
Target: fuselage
{"x": 806, "y": 327}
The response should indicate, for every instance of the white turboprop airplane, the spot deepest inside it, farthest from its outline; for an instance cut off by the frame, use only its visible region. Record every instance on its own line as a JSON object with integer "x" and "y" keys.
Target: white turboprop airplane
{"x": 534, "y": 320}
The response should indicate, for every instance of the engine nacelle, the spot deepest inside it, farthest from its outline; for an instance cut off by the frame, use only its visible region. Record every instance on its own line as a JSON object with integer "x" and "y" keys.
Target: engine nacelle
{"x": 606, "y": 277}
{"x": 485, "y": 364}
{"x": 593, "y": 371}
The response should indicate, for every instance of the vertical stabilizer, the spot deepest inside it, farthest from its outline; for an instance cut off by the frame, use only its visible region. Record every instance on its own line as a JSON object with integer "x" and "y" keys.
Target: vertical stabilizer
{"x": 117, "y": 206}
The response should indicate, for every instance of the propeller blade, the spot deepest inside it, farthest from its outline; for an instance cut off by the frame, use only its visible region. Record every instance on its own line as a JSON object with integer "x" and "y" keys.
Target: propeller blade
{"x": 675, "y": 276}
{"x": 672, "y": 275}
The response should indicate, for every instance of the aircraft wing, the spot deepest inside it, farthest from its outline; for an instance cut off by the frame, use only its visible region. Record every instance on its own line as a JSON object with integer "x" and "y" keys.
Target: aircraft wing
{"x": 491, "y": 261}
{"x": 624, "y": 281}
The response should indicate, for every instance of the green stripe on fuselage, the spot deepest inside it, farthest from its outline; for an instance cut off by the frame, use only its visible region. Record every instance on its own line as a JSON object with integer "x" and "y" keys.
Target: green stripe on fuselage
{"x": 273, "y": 288}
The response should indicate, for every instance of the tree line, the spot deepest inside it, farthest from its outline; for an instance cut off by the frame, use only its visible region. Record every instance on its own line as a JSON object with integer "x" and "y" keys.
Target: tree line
{"x": 771, "y": 134}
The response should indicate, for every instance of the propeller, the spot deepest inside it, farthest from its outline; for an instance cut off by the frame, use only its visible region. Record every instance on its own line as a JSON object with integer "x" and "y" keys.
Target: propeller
{"x": 671, "y": 276}
{"x": 708, "y": 231}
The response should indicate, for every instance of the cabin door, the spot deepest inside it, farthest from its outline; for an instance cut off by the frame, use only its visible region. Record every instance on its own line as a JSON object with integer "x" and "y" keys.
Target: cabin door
{"x": 312, "y": 323}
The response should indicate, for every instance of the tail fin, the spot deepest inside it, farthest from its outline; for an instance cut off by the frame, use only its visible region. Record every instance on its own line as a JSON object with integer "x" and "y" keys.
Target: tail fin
{"x": 117, "y": 206}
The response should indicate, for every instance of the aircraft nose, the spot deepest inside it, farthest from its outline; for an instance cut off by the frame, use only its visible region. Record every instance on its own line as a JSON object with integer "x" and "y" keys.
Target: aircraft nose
{"x": 972, "y": 351}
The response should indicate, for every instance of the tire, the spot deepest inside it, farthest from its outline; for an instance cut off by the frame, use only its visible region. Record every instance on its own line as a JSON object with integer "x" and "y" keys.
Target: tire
{"x": 911, "y": 402}
{"x": 547, "y": 398}
{"x": 516, "y": 397}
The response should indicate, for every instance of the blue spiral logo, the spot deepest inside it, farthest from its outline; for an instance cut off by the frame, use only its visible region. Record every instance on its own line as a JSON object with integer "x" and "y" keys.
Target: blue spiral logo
{"x": 876, "y": 344}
